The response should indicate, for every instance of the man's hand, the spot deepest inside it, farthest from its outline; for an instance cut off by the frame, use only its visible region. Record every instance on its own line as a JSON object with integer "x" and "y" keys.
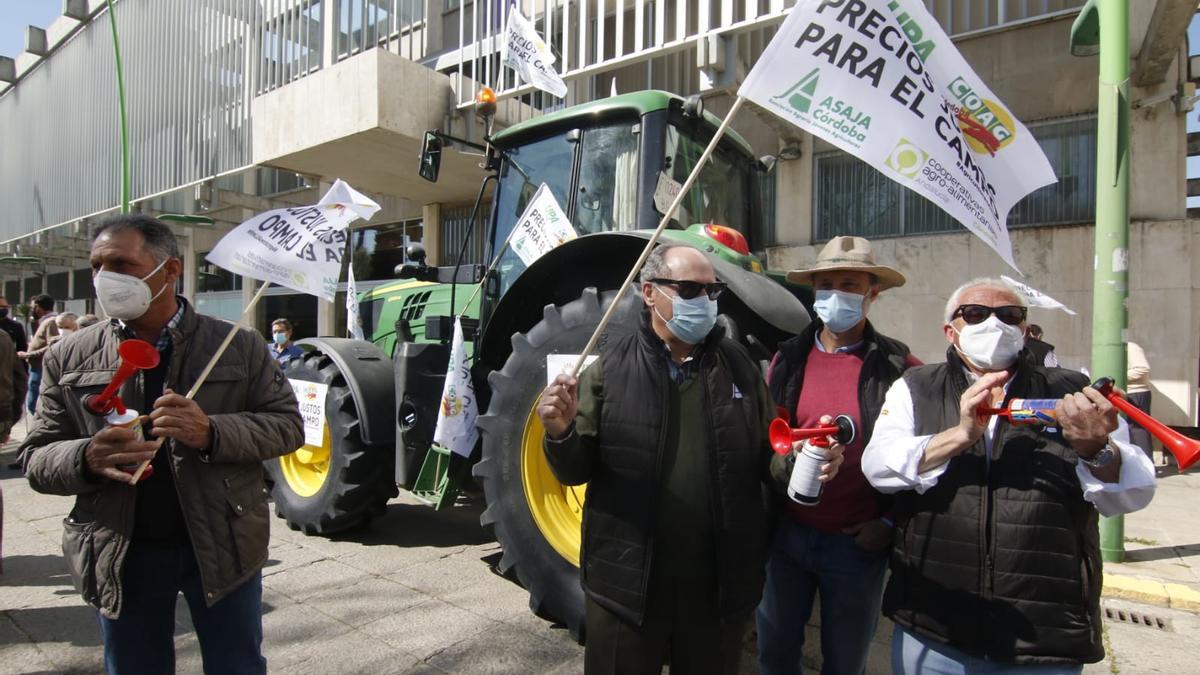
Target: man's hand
{"x": 970, "y": 424}
{"x": 873, "y": 535}
{"x": 1086, "y": 420}
{"x": 834, "y": 454}
{"x": 22, "y": 355}
{"x": 182, "y": 419}
{"x": 558, "y": 406}
{"x": 112, "y": 446}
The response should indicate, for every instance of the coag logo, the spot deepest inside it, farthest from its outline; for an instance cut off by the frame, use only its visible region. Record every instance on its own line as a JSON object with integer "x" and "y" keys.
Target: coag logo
{"x": 800, "y": 94}
{"x": 906, "y": 158}
{"x": 987, "y": 126}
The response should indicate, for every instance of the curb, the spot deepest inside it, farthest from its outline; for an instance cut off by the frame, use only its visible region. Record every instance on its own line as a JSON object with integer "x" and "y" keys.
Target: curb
{"x": 1150, "y": 591}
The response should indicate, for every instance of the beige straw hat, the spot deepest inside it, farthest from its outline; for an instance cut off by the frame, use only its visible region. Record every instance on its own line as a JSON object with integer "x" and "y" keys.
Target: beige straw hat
{"x": 848, "y": 254}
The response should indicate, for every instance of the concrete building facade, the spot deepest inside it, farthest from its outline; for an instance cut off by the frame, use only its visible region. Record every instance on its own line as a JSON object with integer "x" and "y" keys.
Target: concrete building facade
{"x": 236, "y": 107}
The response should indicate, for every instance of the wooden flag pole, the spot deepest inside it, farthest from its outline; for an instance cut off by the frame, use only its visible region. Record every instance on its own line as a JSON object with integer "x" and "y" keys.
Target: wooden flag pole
{"x": 233, "y": 329}
{"x": 495, "y": 261}
{"x": 662, "y": 225}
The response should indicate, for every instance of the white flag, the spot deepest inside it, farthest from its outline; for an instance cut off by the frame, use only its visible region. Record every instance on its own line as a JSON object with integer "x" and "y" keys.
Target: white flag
{"x": 541, "y": 227}
{"x": 885, "y": 84}
{"x": 299, "y": 247}
{"x": 612, "y": 89}
{"x": 1036, "y": 298}
{"x": 455, "y": 429}
{"x": 525, "y": 52}
{"x": 353, "y": 320}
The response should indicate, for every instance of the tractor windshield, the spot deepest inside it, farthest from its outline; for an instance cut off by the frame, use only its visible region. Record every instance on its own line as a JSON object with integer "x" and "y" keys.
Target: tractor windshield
{"x": 605, "y": 196}
{"x": 721, "y": 192}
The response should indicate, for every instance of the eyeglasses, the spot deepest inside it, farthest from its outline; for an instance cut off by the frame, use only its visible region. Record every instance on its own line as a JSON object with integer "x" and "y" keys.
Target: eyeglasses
{"x": 690, "y": 289}
{"x": 973, "y": 314}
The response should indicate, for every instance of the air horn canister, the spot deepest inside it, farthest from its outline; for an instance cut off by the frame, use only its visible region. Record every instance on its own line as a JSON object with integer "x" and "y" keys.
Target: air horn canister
{"x": 805, "y": 485}
{"x": 1041, "y": 411}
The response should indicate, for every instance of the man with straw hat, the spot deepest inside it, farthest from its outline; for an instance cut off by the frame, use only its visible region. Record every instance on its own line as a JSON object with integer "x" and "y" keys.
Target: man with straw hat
{"x": 838, "y": 547}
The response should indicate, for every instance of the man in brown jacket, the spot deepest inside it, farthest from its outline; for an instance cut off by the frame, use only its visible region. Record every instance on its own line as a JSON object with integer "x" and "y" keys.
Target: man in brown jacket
{"x": 199, "y": 524}
{"x": 41, "y": 308}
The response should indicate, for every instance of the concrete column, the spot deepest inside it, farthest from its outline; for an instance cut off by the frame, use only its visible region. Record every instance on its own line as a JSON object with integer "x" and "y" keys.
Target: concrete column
{"x": 329, "y": 35}
{"x": 249, "y": 288}
{"x": 431, "y": 226}
{"x": 794, "y": 197}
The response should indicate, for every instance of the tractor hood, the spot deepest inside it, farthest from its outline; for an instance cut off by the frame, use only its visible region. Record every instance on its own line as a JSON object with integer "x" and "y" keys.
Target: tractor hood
{"x": 768, "y": 299}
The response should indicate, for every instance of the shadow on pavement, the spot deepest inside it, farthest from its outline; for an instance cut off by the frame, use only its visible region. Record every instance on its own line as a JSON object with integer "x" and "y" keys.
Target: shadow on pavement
{"x": 1162, "y": 553}
{"x": 73, "y": 624}
{"x": 419, "y": 525}
{"x": 35, "y": 570}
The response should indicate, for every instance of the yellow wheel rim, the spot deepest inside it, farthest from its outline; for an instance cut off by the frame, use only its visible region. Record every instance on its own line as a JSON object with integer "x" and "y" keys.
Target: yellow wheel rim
{"x": 306, "y": 469}
{"x": 556, "y": 508}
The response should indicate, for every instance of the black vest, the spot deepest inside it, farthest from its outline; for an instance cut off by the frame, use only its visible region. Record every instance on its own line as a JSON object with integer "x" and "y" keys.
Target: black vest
{"x": 1001, "y": 558}
{"x": 622, "y": 500}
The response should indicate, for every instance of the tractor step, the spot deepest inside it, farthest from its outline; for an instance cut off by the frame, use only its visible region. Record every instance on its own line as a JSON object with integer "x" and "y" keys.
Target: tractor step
{"x": 436, "y": 484}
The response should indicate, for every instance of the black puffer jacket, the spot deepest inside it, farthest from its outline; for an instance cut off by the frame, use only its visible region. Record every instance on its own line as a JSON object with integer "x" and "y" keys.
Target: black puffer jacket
{"x": 616, "y": 447}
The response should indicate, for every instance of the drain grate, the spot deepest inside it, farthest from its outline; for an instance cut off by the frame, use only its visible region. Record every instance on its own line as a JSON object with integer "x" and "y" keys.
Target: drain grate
{"x": 1138, "y": 619}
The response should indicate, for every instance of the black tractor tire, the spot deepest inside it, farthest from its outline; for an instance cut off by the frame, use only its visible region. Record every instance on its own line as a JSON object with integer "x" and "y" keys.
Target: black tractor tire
{"x": 552, "y": 580}
{"x": 360, "y": 478}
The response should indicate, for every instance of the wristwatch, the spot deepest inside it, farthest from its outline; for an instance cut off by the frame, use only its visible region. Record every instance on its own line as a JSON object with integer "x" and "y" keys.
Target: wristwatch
{"x": 1101, "y": 459}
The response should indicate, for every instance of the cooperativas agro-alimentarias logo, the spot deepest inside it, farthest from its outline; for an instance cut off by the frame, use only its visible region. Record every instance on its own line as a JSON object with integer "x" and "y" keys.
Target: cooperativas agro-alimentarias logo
{"x": 906, "y": 159}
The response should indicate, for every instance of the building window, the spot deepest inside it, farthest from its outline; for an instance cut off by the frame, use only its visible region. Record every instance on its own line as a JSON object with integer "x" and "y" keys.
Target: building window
{"x": 456, "y": 227}
{"x": 852, "y": 198}
{"x": 213, "y": 279}
{"x": 376, "y": 251}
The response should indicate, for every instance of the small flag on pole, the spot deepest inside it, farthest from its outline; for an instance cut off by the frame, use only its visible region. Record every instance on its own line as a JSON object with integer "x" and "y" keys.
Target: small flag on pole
{"x": 353, "y": 320}
{"x": 455, "y": 429}
{"x": 612, "y": 90}
{"x": 525, "y": 52}
{"x": 1036, "y": 298}
{"x": 541, "y": 228}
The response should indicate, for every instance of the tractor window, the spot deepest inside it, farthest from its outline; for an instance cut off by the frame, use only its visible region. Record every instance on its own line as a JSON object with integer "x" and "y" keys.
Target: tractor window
{"x": 607, "y": 196}
{"x": 721, "y": 192}
{"x": 524, "y": 170}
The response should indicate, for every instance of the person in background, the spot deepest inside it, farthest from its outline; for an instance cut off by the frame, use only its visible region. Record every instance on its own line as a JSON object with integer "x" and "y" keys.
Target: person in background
{"x": 836, "y": 549}
{"x": 1042, "y": 351}
{"x": 41, "y": 308}
{"x": 12, "y": 398}
{"x": 87, "y": 320}
{"x": 1137, "y": 384}
{"x": 14, "y": 328}
{"x": 281, "y": 343}
{"x": 68, "y": 322}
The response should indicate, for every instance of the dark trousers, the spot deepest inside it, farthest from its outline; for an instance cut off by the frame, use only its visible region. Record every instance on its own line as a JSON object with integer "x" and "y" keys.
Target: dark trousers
{"x": 682, "y": 624}
{"x": 142, "y": 640}
{"x": 1137, "y": 433}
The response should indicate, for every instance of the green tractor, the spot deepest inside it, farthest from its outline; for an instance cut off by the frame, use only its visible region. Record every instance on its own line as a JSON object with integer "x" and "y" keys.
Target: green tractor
{"x": 604, "y": 162}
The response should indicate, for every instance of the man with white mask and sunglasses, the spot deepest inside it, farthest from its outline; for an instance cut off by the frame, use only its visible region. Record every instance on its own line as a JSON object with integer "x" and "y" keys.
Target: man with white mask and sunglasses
{"x": 996, "y": 563}
{"x": 198, "y": 523}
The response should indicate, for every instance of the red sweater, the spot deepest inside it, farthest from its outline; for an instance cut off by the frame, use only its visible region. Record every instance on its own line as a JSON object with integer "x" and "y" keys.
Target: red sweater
{"x": 830, "y": 387}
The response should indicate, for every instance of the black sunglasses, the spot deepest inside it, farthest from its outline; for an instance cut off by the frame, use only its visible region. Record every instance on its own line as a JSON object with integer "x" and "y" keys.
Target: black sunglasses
{"x": 690, "y": 289}
{"x": 973, "y": 314}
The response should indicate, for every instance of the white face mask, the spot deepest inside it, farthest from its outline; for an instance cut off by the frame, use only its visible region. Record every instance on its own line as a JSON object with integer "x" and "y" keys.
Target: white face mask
{"x": 990, "y": 345}
{"x": 123, "y": 296}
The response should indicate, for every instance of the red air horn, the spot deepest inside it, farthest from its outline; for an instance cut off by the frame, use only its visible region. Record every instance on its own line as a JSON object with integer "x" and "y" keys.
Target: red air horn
{"x": 1186, "y": 450}
{"x": 782, "y": 436}
{"x": 1041, "y": 411}
{"x": 135, "y": 355}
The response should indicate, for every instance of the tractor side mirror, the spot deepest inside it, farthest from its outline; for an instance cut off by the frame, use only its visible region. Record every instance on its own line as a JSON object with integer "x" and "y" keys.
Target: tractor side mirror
{"x": 415, "y": 253}
{"x": 431, "y": 157}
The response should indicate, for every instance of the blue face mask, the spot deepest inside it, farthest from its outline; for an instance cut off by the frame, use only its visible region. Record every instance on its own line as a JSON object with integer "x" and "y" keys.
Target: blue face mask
{"x": 279, "y": 338}
{"x": 692, "y": 319}
{"x": 838, "y": 310}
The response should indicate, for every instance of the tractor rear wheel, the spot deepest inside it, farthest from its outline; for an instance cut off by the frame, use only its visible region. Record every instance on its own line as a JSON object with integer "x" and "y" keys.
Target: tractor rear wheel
{"x": 536, "y": 519}
{"x": 342, "y": 482}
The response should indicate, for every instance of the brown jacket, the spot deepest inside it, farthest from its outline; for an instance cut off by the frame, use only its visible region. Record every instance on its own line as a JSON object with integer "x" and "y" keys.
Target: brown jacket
{"x": 222, "y": 492}
{"x": 43, "y": 337}
{"x": 13, "y": 381}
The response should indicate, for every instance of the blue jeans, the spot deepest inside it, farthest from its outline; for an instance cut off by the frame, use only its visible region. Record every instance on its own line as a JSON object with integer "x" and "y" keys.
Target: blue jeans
{"x": 35, "y": 383}
{"x": 913, "y": 655}
{"x": 805, "y": 562}
{"x": 143, "y": 639}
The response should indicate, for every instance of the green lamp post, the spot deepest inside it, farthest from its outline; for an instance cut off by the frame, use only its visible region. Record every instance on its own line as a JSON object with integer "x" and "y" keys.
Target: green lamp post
{"x": 1102, "y": 27}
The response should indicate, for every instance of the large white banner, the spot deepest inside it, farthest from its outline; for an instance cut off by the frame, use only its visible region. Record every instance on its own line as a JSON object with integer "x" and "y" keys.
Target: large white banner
{"x": 880, "y": 80}
{"x": 455, "y": 428}
{"x": 353, "y": 320}
{"x": 525, "y": 52}
{"x": 541, "y": 227}
{"x": 299, "y": 247}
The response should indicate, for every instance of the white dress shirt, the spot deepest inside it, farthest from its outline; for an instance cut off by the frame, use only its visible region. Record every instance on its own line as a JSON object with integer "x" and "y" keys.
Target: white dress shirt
{"x": 892, "y": 459}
